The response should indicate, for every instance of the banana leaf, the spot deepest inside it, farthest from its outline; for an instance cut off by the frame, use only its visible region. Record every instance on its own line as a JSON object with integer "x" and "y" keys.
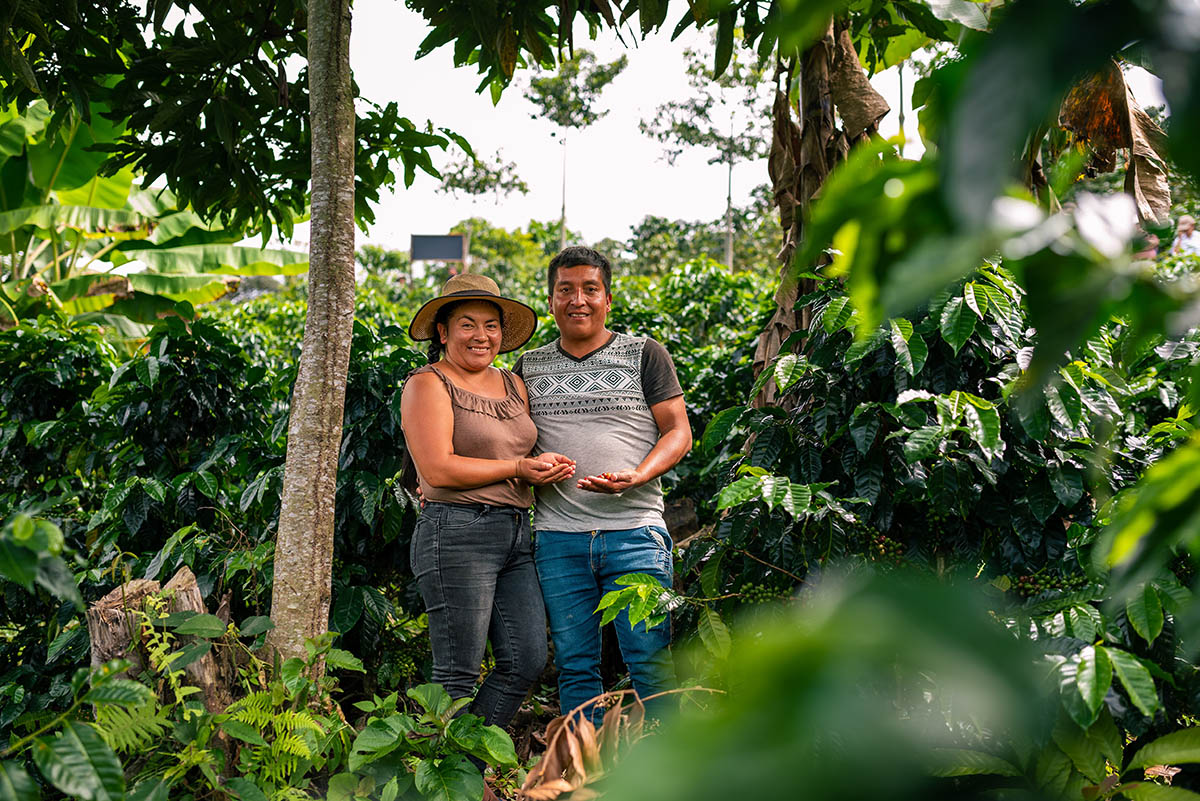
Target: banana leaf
{"x": 16, "y": 127}
{"x": 133, "y": 334}
{"x": 195, "y": 289}
{"x": 143, "y": 308}
{"x": 99, "y": 291}
{"x": 220, "y": 259}
{"x": 154, "y": 201}
{"x": 90, "y": 292}
{"x": 105, "y": 192}
{"x": 66, "y": 160}
{"x": 88, "y": 220}
{"x": 188, "y": 228}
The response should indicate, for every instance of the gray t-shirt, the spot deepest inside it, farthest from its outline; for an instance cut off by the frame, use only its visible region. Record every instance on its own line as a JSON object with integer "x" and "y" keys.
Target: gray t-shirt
{"x": 596, "y": 410}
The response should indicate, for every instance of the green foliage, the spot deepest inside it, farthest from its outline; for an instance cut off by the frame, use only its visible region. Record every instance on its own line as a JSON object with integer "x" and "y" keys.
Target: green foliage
{"x": 76, "y": 760}
{"x": 174, "y": 457}
{"x": 64, "y": 226}
{"x": 378, "y": 259}
{"x": 30, "y": 553}
{"x": 985, "y": 422}
{"x": 514, "y": 259}
{"x": 643, "y": 594}
{"x": 827, "y": 681}
{"x": 425, "y": 753}
{"x": 709, "y": 118}
{"x": 830, "y": 679}
{"x": 657, "y": 245}
{"x": 228, "y": 125}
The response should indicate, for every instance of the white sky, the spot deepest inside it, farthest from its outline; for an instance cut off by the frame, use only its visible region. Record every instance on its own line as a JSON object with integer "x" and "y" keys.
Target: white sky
{"x": 615, "y": 174}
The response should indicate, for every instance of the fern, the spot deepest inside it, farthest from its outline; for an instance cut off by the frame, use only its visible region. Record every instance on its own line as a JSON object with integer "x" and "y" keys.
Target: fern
{"x": 295, "y": 736}
{"x": 129, "y": 729}
{"x": 290, "y": 794}
{"x": 293, "y": 720}
{"x": 160, "y": 647}
{"x": 282, "y": 765}
{"x": 256, "y": 709}
{"x": 292, "y": 744}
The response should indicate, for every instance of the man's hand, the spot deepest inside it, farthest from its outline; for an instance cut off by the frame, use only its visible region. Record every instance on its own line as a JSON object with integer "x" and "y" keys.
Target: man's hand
{"x": 611, "y": 483}
{"x": 547, "y": 468}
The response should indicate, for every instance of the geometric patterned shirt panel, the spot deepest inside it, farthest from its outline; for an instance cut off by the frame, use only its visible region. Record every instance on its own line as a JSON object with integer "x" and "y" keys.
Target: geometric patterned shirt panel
{"x": 594, "y": 411}
{"x": 608, "y": 380}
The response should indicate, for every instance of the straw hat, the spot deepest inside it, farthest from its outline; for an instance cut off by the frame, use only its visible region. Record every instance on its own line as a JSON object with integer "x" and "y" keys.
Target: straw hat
{"x": 519, "y": 319}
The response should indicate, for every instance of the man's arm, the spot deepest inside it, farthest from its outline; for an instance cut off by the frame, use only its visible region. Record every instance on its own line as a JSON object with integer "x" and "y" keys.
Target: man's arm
{"x": 674, "y": 441}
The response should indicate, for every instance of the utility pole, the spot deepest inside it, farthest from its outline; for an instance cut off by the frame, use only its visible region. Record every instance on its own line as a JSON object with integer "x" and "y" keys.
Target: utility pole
{"x": 729, "y": 198}
{"x": 562, "y": 220}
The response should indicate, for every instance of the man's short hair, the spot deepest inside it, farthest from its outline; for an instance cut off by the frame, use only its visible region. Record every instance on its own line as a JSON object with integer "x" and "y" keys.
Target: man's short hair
{"x": 576, "y": 256}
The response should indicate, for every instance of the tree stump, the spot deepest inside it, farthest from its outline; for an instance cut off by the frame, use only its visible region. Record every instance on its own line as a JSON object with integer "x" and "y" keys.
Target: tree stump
{"x": 204, "y": 673}
{"x": 113, "y": 627}
{"x": 115, "y": 632}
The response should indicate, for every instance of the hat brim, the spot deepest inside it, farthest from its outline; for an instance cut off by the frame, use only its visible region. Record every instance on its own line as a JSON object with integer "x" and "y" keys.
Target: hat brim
{"x": 520, "y": 321}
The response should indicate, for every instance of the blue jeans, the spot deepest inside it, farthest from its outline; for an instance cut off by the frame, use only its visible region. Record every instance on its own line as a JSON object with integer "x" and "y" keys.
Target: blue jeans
{"x": 576, "y": 569}
{"x": 474, "y": 568}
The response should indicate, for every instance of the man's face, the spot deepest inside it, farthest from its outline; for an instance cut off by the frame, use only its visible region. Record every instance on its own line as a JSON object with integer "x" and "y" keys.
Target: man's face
{"x": 579, "y": 301}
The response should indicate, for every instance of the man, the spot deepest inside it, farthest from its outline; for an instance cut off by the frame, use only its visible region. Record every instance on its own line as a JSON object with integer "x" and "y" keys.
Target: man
{"x": 613, "y": 403}
{"x": 1187, "y": 240}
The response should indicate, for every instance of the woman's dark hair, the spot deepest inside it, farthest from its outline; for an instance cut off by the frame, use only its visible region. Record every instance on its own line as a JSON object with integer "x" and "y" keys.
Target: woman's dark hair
{"x": 443, "y": 318}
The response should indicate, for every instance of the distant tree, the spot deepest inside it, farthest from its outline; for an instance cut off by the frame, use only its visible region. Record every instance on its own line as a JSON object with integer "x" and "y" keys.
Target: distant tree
{"x": 469, "y": 175}
{"x": 729, "y": 115}
{"x": 214, "y": 106}
{"x": 616, "y": 251}
{"x": 569, "y": 100}
{"x": 379, "y": 259}
{"x": 515, "y": 259}
{"x": 657, "y": 244}
{"x": 547, "y": 235}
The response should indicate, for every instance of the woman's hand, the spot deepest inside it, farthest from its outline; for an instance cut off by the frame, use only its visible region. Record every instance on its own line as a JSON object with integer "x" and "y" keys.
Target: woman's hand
{"x": 547, "y": 468}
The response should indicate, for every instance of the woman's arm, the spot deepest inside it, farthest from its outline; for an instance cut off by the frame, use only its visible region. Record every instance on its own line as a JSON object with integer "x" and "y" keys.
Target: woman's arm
{"x": 428, "y": 422}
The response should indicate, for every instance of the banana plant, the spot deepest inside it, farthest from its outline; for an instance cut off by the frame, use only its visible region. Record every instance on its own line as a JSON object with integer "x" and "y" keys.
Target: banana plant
{"x": 103, "y": 246}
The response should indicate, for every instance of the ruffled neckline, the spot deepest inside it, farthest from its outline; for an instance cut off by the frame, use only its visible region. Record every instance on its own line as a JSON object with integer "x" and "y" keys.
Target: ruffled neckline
{"x": 511, "y": 405}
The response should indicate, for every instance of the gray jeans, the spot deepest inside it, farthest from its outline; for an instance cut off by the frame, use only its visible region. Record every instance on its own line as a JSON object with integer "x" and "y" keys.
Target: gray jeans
{"x": 474, "y": 568}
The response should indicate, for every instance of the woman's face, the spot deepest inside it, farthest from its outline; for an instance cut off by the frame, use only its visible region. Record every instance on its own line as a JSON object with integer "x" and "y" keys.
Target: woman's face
{"x": 472, "y": 335}
{"x": 1186, "y": 226}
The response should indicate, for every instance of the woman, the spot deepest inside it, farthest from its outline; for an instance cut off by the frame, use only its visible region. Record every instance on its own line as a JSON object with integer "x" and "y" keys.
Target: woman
{"x": 467, "y": 427}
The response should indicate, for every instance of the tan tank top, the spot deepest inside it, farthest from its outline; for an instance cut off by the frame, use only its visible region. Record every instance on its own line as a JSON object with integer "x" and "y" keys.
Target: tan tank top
{"x": 486, "y": 428}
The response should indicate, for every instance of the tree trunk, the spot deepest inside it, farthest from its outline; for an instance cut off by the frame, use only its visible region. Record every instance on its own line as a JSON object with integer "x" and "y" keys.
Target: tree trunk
{"x": 802, "y": 158}
{"x": 304, "y": 546}
{"x": 800, "y": 161}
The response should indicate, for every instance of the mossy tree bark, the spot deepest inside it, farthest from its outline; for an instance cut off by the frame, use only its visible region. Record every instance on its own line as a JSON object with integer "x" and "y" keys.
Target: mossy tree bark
{"x": 304, "y": 545}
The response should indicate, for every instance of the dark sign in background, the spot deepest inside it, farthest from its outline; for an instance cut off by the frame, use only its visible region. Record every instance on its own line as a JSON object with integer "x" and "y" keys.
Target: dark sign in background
{"x": 446, "y": 247}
